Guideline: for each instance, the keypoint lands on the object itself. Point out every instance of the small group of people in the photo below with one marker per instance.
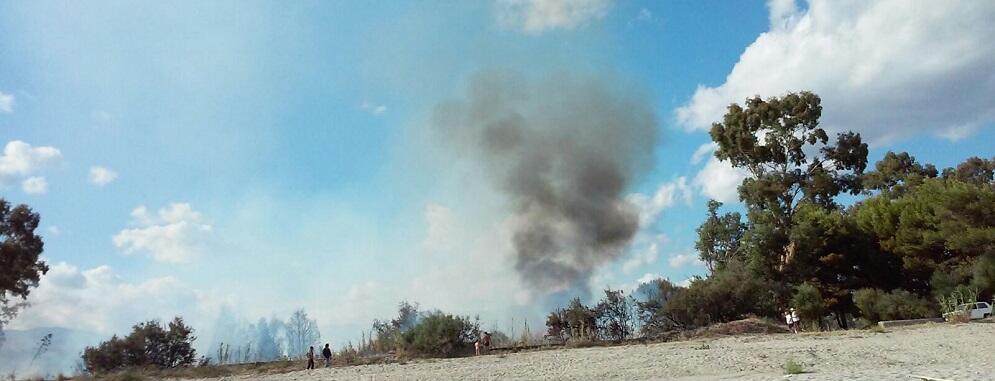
(791, 318)
(326, 353)
(484, 341)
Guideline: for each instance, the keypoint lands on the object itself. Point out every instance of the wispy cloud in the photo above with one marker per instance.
(101, 176)
(6, 103)
(372, 108)
(536, 16)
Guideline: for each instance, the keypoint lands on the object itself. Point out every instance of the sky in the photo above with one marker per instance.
(259, 157)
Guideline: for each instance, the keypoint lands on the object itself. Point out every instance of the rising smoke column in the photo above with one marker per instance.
(562, 151)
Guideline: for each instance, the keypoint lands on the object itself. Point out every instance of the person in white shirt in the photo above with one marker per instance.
(795, 321)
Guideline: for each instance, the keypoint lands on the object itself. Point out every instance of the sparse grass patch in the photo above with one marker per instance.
(876, 328)
(792, 367)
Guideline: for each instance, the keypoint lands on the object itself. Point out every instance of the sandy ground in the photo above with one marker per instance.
(952, 352)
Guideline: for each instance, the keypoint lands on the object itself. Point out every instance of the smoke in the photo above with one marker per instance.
(563, 152)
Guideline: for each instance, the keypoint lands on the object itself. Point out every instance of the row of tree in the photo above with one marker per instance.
(906, 236)
(265, 340)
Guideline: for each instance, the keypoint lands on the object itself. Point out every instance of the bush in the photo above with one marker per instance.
(809, 303)
(877, 305)
(441, 335)
(792, 367)
(732, 293)
(149, 344)
(615, 315)
(984, 274)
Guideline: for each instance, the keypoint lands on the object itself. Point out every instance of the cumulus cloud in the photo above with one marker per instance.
(666, 196)
(20, 159)
(887, 69)
(719, 180)
(34, 185)
(684, 260)
(100, 300)
(6, 103)
(101, 176)
(536, 16)
(175, 234)
(371, 108)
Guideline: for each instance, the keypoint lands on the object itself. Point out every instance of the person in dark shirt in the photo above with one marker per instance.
(310, 358)
(327, 354)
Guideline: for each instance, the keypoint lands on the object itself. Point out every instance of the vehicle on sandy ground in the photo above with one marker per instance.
(979, 310)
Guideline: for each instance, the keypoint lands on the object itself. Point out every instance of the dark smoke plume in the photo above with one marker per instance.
(563, 152)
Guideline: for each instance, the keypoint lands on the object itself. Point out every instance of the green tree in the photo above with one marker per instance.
(719, 236)
(809, 303)
(149, 344)
(896, 173)
(974, 170)
(20, 266)
(790, 160)
(615, 315)
(651, 300)
(442, 335)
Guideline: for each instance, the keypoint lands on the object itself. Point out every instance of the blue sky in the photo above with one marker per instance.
(265, 156)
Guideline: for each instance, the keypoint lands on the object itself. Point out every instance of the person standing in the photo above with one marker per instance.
(327, 354)
(795, 320)
(790, 321)
(310, 358)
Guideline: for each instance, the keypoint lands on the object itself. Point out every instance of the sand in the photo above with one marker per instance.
(953, 352)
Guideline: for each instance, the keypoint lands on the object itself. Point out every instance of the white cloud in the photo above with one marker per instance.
(719, 181)
(684, 260)
(99, 300)
(646, 256)
(6, 103)
(666, 196)
(439, 227)
(887, 69)
(54, 230)
(34, 185)
(536, 16)
(644, 15)
(20, 159)
(371, 108)
(175, 235)
(703, 151)
(101, 176)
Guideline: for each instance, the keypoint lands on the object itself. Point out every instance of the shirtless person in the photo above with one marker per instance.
(484, 341)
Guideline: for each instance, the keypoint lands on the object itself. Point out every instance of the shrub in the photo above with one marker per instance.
(792, 367)
(439, 334)
(809, 303)
(653, 297)
(149, 344)
(732, 293)
(877, 305)
(615, 315)
(984, 274)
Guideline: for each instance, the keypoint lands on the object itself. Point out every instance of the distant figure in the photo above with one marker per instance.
(790, 321)
(484, 341)
(795, 320)
(310, 358)
(327, 353)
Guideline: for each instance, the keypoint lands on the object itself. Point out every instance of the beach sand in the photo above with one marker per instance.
(952, 352)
